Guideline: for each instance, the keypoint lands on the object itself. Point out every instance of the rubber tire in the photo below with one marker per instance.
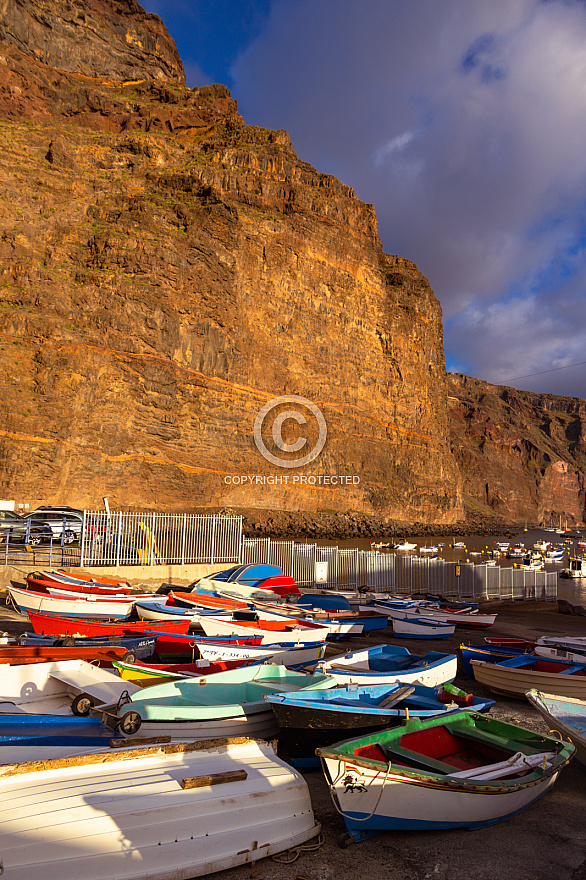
(81, 705)
(129, 723)
(34, 540)
(69, 537)
(68, 642)
(129, 657)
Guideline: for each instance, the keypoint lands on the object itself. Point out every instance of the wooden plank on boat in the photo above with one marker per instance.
(127, 754)
(139, 741)
(343, 668)
(214, 779)
(399, 695)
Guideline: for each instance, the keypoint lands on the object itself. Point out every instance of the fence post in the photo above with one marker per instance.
(82, 539)
(153, 544)
(119, 539)
(213, 555)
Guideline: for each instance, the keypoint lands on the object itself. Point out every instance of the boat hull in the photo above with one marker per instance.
(565, 714)
(385, 664)
(95, 607)
(283, 655)
(466, 771)
(128, 815)
(309, 721)
(46, 624)
(405, 806)
(515, 682)
(294, 633)
(420, 628)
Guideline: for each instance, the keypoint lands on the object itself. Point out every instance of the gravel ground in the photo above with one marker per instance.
(546, 842)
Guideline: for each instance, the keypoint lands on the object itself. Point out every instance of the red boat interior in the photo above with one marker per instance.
(437, 749)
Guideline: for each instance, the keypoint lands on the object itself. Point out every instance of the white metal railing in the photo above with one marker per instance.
(119, 538)
(360, 569)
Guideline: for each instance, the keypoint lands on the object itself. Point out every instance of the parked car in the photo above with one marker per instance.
(14, 527)
(66, 521)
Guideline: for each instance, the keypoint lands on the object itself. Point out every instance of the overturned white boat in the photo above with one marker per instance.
(167, 812)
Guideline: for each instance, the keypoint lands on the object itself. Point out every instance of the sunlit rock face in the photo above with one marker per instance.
(168, 270)
(522, 455)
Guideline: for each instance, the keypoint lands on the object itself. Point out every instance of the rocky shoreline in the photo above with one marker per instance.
(289, 524)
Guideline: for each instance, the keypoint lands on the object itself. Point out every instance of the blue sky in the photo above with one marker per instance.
(464, 123)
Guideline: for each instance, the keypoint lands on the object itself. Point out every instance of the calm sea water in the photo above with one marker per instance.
(477, 547)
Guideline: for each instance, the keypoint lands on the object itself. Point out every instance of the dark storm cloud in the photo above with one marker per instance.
(465, 125)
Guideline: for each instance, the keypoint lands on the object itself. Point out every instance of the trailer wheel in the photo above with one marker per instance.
(129, 723)
(129, 657)
(82, 704)
(68, 642)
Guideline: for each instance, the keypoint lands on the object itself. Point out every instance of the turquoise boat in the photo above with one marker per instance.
(227, 703)
(566, 715)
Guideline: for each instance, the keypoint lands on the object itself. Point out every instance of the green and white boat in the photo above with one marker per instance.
(466, 771)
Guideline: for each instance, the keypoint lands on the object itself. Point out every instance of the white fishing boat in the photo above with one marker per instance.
(161, 611)
(384, 664)
(167, 812)
(576, 568)
(422, 628)
(93, 606)
(59, 687)
(283, 655)
(560, 652)
(291, 632)
(467, 771)
(405, 545)
(458, 616)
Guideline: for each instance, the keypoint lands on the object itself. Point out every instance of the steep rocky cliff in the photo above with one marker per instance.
(522, 455)
(167, 270)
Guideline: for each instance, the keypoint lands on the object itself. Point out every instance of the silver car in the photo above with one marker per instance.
(61, 521)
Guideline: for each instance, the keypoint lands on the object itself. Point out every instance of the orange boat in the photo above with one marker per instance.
(104, 654)
(64, 577)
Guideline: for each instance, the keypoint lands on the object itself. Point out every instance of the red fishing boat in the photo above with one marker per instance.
(43, 585)
(48, 624)
(61, 577)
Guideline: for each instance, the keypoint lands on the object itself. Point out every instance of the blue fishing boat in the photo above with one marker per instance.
(487, 653)
(309, 719)
(52, 730)
(141, 647)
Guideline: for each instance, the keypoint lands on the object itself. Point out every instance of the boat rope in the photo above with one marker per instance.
(291, 855)
(333, 792)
